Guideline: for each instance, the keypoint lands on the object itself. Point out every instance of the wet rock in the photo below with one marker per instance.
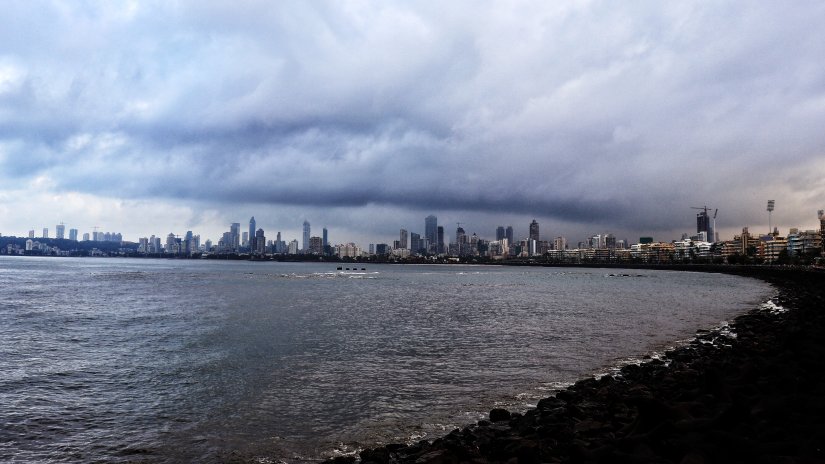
(499, 415)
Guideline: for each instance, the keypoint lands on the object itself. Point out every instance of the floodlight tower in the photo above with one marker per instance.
(770, 210)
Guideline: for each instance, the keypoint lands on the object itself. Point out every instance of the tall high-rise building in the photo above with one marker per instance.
(31, 233)
(45, 232)
(439, 239)
(60, 231)
(431, 233)
(610, 241)
(188, 245)
(316, 245)
(251, 231)
(245, 239)
(560, 243)
(534, 231)
(508, 234)
(73, 234)
(235, 232)
(402, 241)
(704, 224)
(305, 245)
(259, 241)
(415, 243)
(500, 233)
(325, 237)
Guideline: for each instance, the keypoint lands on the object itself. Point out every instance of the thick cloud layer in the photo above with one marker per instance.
(587, 116)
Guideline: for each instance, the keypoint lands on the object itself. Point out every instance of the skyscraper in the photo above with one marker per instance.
(439, 239)
(305, 245)
(500, 233)
(508, 234)
(534, 231)
(73, 234)
(704, 224)
(251, 233)
(259, 242)
(235, 236)
(415, 243)
(403, 239)
(60, 231)
(325, 238)
(431, 233)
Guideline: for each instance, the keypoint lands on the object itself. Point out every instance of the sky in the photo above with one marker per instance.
(364, 117)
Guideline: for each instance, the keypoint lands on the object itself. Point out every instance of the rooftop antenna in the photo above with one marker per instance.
(771, 204)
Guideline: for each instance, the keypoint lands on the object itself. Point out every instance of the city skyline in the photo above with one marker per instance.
(152, 117)
(430, 222)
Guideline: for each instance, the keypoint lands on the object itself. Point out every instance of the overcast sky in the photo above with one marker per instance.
(364, 117)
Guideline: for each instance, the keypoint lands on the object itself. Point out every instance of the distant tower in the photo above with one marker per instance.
(45, 232)
(260, 242)
(431, 233)
(305, 246)
(703, 224)
(460, 240)
(60, 231)
(403, 239)
(771, 204)
(509, 234)
(534, 231)
(439, 239)
(235, 235)
(821, 215)
(73, 234)
(325, 237)
(252, 232)
(500, 233)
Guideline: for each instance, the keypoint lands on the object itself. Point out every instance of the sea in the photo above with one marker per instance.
(151, 360)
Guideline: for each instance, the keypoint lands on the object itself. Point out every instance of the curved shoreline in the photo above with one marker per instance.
(754, 395)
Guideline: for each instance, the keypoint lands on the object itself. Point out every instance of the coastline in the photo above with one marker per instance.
(753, 394)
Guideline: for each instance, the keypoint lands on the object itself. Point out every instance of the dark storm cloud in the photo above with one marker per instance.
(585, 114)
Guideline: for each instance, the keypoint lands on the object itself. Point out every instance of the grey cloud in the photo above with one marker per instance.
(587, 115)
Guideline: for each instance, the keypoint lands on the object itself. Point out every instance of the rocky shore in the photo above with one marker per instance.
(754, 394)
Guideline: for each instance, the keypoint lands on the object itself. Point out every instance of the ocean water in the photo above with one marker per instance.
(129, 360)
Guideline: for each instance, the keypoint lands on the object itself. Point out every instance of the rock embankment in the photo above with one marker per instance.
(756, 395)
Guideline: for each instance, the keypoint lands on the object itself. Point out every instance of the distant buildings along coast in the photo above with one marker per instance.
(795, 246)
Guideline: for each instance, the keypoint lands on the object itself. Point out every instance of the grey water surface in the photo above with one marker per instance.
(130, 360)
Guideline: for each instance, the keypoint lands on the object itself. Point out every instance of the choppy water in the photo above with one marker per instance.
(117, 360)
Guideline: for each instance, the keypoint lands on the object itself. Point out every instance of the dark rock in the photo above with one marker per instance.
(499, 415)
